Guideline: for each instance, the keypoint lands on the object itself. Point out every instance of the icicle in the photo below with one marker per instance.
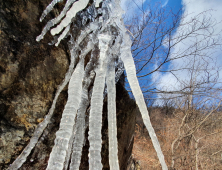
(64, 33)
(116, 52)
(80, 133)
(58, 153)
(95, 118)
(49, 8)
(76, 7)
(93, 27)
(80, 125)
(112, 129)
(87, 80)
(129, 65)
(91, 62)
(54, 21)
(120, 70)
(40, 128)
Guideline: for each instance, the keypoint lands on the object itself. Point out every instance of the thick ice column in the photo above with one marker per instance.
(77, 138)
(40, 128)
(59, 151)
(129, 65)
(112, 129)
(80, 132)
(80, 122)
(80, 125)
(95, 118)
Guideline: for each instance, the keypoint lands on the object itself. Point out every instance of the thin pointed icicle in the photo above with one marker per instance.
(95, 118)
(58, 153)
(64, 33)
(54, 21)
(49, 8)
(76, 7)
(129, 65)
(40, 128)
(112, 129)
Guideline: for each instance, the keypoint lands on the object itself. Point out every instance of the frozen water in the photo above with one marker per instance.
(65, 131)
(95, 118)
(54, 21)
(112, 129)
(107, 27)
(76, 7)
(64, 33)
(49, 8)
(80, 124)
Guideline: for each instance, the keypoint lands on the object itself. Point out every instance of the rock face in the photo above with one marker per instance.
(29, 75)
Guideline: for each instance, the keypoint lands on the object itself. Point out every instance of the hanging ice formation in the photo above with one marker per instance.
(103, 31)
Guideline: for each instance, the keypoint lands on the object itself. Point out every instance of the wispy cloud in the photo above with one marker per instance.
(169, 81)
(132, 7)
(165, 3)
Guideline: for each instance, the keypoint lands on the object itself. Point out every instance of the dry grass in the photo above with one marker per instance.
(144, 152)
(166, 128)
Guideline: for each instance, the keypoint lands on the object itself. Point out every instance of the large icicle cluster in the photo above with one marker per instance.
(104, 39)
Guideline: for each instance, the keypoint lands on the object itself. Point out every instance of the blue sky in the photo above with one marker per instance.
(167, 81)
(132, 6)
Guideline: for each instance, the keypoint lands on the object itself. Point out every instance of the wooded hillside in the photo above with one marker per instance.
(188, 143)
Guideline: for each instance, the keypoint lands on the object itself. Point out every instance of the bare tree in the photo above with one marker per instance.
(154, 48)
(197, 98)
(196, 111)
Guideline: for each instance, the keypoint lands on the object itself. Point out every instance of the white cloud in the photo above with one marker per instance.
(191, 8)
(165, 3)
(132, 7)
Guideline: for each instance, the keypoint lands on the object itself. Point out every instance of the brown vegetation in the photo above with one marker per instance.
(188, 142)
